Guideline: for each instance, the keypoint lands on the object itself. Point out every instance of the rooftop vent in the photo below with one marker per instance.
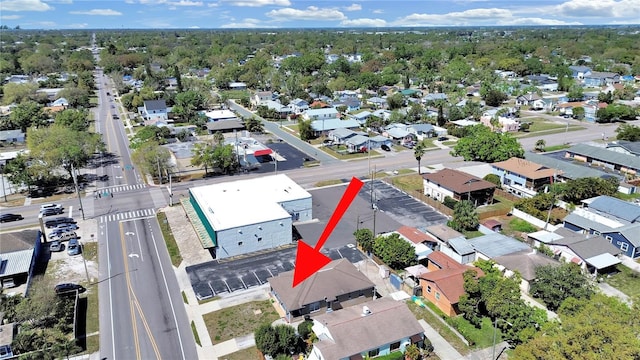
(366, 311)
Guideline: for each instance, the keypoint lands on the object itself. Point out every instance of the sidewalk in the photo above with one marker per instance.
(441, 347)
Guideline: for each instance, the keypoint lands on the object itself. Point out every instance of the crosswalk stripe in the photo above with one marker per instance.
(127, 215)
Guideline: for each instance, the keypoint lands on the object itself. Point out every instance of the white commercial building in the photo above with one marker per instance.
(245, 216)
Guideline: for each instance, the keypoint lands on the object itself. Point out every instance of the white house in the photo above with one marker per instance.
(320, 114)
(260, 98)
(244, 216)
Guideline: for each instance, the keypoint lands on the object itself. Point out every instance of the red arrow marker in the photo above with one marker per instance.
(309, 260)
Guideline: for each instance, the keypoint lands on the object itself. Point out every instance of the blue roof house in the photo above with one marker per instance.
(578, 72)
(323, 126)
(626, 238)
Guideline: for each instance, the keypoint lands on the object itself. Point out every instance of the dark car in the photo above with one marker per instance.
(385, 147)
(10, 217)
(57, 221)
(51, 211)
(68, 288)
(443, 138)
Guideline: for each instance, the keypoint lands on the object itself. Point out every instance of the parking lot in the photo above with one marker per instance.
(401, 207)
(289, 158)
(215, 278)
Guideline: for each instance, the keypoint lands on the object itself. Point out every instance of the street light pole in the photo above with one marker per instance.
(75, 182)
(495, 330)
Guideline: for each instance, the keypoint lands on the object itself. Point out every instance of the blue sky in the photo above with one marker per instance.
(229, 14)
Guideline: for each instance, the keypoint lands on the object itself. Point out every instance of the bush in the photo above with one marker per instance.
(522, 226)
(449, 202)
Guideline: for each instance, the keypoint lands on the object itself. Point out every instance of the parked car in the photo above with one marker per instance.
(68, 288)
(51, 212)
(56, 246)
(385, 147)
(65, 227)
(59, 220)
(10, 217)
(443, 138)
(64, 236)
(50, 206)
(73, 248)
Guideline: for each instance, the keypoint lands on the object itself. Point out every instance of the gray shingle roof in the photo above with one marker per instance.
(525, 262)
(461, 246)
(631, 146)
(585, 223)
(494, 245)
(352, 333)
(603, 154)
(342, 133)
(619, 208)
(593, 247)
(155, 105)
(631, 233)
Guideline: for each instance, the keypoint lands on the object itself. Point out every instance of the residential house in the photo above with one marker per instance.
(499, 123)
(220, 115)
(458, 186)
(377, 141)
(460, 250)
(7, 334)
(154, 109)
(374, 329)
(260, 98)
(298, 106)
(398, 135)
(493, 245)
(341, 135)
(626, 238)
(18, 255)
(323, 126)
(543, 104)
(17, 79)
(597, 79)
(443, 233)
(351, 103)
(523, 177)
(591, 252)
(337, 285)
(465, 123)
(61, 102)
(612, 160)
(358, 143)
(411, 93)
(578, 72)
(444, 283)
(419, 240)
(527, 99)
(429, 98)
(8, 137)
(362, 116)
(282, 111)
(377, 102)
(525, 264)
(321, 114)
(566, 169)
(237, 86)
(225, 126)
(421, 131)
(625, 147)
(382, 114)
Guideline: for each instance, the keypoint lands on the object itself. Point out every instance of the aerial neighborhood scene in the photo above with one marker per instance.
(282, 179)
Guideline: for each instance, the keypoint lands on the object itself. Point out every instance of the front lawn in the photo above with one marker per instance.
(480, 338)
(339, 152)
(239, 320)
(409, 183)
(626, 280)
(251, 353)
(442, 329)
(556, 147)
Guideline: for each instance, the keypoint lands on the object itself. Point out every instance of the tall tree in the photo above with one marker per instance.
(27, 114)
(554, 284)
(482, 144)
(418, 153)
(152, 158)
(305, 130)
(202, 156)
(394, 251)
(465, 216)
(628, 132)
(364, 238)
(74, 119)
(266, 340)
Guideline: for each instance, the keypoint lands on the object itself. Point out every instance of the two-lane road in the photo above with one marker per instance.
(142, 315)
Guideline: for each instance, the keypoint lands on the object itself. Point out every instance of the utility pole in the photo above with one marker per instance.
(3, 189)
(170, 190)
(159, 173)
(75, 182)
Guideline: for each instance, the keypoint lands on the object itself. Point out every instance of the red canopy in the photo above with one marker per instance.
(262, 152)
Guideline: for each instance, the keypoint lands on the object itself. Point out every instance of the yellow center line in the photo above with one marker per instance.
(146, 326)
(134, 322)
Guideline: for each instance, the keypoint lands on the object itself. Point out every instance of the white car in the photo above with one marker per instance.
(45, 207)
(65, 227)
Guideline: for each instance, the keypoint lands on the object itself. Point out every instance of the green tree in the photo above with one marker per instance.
(554, 284)
(599, 327)
(19, 173)
(482, 144)
(225, 159)
(305, 130)
(150, 134)
(364, 238)
(412, 352)
(418, 153)
(267, 340)
(254, 125)
(494, 179)
(152, 158)
(187, 104)
(494, 97)
(304, 329)
(628, 132)
(540, 145)
(27, 114)
(394, 251)
(465, 216)
(287, 339)
(395, 101)
(615, 112)
(202, 156)
(579, 189)
(605, 97)
(578, 113)
(575, 93)
(16, 93)
(76, 96)
(218, 138)
(74, 119)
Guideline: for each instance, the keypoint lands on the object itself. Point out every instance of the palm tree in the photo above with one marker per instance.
(218, 138)
(418, 152)
(202, 156)
(540, 145)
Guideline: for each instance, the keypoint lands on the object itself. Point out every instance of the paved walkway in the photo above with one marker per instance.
(630, 263)
(441, 347)
(487, 353)
(613, 292)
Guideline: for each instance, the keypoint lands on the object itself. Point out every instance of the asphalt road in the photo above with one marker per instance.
(141, 310)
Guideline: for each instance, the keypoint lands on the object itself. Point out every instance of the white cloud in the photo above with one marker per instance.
(364, 23)
(378, 11)
(99, 12)
(258, 3)
(212, 5)
(185, 3)
(194, 27)
(77, 26)
(310, 13)
(462, 18)
(60, 1)
(24, 5)
(10, 17)
(247, 23)
(600, 8)
(536, 21)
(353, 7)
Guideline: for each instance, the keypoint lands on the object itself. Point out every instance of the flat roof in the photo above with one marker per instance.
(220, 114)
(243, 202)
(603, 261)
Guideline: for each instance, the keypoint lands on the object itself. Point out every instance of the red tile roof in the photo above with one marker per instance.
(443, 261)
(450, 281)
(414, 235)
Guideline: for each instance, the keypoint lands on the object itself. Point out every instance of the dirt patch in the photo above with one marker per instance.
(65, 268)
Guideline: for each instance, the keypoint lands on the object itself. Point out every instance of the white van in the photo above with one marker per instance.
(50, 206)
